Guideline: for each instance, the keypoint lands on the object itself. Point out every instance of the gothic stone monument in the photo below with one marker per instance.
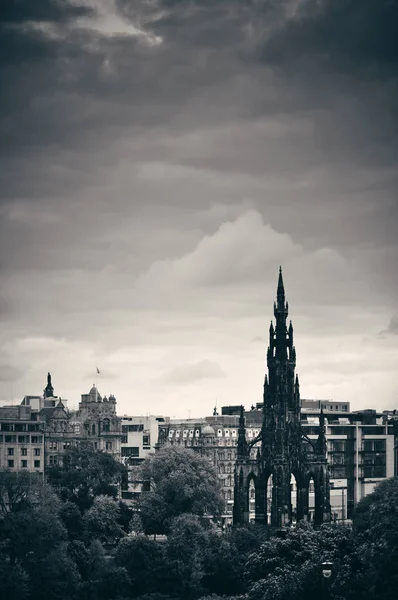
(284, 450)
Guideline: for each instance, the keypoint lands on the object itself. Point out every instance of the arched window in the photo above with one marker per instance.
(106, 425)
(222, 469)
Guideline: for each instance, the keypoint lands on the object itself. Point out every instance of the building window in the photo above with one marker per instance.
(37, 439)
(37, 464)
(10, 464)
(108, 446)
(146, 439)
(24, 464)
(23, 439)
(93, 429)
(10, 439)
(37, 451)
(53, 459)
(130, 451)
(10, 452)
(106, 426)
(24, 452)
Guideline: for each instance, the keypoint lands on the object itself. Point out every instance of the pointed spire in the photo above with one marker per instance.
(296, 383)
(321, 441)
(280, 294)
(242, 443)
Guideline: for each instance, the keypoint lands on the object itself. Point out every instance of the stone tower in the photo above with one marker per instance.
(48, 391)
(284, 450)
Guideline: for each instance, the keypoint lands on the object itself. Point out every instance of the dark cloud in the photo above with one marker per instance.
(160, 159)
(339, 35)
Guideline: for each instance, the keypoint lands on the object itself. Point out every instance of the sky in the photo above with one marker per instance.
(159, 159)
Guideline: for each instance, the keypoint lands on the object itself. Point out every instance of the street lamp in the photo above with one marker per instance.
(327, 569)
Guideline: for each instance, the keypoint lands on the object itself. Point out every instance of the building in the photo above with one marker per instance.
(96, 421)
(360, 450)
(36, 433)
(139, 438)
(21, 439)
(216, 438)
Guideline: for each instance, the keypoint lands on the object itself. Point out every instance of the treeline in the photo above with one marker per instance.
(71, 538)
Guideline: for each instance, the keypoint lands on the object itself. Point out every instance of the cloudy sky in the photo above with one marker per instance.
(159, 160)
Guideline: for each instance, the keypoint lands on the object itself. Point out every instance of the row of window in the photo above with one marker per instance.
(127, 428)
(19, 427)
(21, 439)
(24, 464)
(24, 451)
(130, 451)
(224, 468)
(367, 446)
(190, 433)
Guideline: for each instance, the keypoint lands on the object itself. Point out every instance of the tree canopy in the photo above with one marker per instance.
(376, 523)
(179, 481)
(84, 474)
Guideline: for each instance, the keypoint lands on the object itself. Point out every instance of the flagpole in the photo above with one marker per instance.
(97, 372)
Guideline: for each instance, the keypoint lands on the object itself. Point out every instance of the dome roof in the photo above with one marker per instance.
(208, 430)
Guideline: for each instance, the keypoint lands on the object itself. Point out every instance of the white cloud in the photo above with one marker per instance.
(191, 373)
(108, 21)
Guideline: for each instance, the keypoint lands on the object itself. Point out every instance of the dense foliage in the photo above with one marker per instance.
(180, 481)
(82, 543)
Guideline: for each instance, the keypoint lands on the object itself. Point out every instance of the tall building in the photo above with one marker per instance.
(139, 439)
(21, 439)
(360, 450)
(285, 452)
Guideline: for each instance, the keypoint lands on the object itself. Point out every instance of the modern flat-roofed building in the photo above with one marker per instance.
(360, 450)
(139, 438)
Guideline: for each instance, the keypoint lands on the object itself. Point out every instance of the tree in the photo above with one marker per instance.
(33, 531)
(375, 521)
(180, 481)
(18, 490)
(101, 521)
(72, 520)
(144, 561)
(14, 581)
(224, 565)
(186, 548)
(84, 474)
(289, 568)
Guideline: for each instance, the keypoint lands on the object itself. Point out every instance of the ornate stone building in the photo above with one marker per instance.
(56, 428)
(284, 453)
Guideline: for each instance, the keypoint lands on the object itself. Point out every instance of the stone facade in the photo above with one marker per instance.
(36, 433)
